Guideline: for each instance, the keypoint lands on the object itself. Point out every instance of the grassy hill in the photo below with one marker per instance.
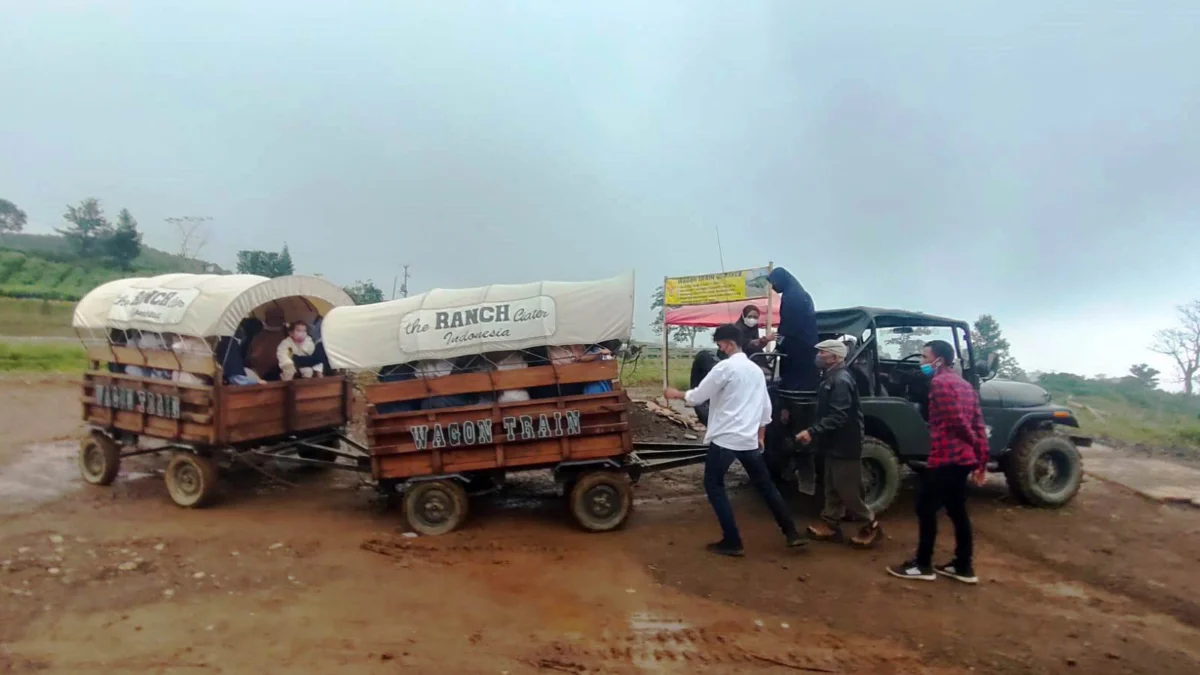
(42, 267)
(1123, 411)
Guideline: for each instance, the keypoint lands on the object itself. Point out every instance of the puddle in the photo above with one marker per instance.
(42, 473)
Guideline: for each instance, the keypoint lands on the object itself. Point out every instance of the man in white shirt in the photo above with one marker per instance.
(739, 411)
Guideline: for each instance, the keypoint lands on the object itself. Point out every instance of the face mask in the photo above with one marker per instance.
(750, 321)
(927, 369)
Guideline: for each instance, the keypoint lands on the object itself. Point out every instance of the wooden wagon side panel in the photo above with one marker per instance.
(163, 409)
(473, 383)
(319, 403)
(501, 436)
(253, 411)
(199, 364)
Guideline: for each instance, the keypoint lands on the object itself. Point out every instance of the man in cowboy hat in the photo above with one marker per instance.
(838, 434)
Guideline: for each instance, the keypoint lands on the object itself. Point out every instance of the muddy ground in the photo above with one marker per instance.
(317, 577)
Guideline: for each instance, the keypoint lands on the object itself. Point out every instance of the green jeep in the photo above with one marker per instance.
(1025, 430)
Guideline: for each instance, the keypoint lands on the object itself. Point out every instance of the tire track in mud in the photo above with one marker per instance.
(404, 549)
(678, 649)
(1118, 579)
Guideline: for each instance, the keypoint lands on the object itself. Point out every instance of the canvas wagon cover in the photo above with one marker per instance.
(445, 324)
(201, 305)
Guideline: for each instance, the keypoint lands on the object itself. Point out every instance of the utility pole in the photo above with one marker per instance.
(404, 286)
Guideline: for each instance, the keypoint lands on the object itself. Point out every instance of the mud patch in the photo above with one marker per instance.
(41, 473)
(1065, 590)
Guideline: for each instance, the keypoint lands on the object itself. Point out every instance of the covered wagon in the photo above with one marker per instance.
(160, 379)
(475, 383)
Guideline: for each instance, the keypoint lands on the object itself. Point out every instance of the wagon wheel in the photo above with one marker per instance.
(99, 459)
(191, 479)
(435, 507)
(601, 500)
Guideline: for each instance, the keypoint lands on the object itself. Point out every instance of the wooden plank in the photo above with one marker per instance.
(323, 387)
(401, 436)
(185, 415)
(586, 405)
(380, 429)
(161, 427)
(198, 364)
(272, 394)
(198, 433)
(124, 380)
(218, 425)
(254, 431)
(318, 406)
(533, 455)
(240, 417)
(328, 418)
(474, 383)
(401, 466)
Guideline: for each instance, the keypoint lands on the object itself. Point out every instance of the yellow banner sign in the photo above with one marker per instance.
(724, 287)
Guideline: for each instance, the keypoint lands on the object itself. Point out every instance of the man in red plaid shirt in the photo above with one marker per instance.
(958, 452)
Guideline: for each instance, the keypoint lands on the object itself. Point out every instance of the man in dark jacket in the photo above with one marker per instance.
(796, 334)
(838, 434)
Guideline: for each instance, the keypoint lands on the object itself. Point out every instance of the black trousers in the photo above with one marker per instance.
(944, 487)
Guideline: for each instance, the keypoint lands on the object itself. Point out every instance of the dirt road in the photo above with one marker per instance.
(318, 578)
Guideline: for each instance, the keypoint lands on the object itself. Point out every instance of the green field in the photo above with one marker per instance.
(648, 372)
(1127, 413)
(42, 267)
(42, 357)
(35, 318)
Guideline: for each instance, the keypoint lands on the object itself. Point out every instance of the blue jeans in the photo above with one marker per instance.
(716, 465)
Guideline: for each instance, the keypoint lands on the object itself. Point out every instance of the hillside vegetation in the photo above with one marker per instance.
(43, 267)
(1126, 411)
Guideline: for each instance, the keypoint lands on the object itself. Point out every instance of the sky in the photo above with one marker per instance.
(1036, 161)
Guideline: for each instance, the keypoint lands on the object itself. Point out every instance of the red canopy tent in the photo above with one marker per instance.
(711, 316)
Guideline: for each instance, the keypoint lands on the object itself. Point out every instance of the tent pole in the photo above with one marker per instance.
(666, 338)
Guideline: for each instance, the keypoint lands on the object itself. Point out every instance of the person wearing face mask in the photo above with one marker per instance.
(958, 453)
(797, 333)
(748, 324)
(740, 411)
(838, 434)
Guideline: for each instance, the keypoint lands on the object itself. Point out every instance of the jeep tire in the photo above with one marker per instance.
(880, 475)
(1043, 469)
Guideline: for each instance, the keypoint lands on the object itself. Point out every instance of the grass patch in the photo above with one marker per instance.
(36, 318)
(1123, 411)
(42, 357)
(648, 372)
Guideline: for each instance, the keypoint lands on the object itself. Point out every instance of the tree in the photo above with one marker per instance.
(1182, 344)
(124, 244)
(89, 226)
(989, 340)
(678, 334)
(192, 234)
(265, 263)
(1144, 375)
(365, 292)
(12, 219)
(909, 343)
(285, 261)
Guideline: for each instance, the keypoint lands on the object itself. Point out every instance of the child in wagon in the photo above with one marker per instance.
(297, 343)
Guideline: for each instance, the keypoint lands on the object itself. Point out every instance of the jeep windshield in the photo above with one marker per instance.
(897, 344)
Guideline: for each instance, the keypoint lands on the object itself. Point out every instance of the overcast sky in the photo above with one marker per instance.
(1039, 161)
